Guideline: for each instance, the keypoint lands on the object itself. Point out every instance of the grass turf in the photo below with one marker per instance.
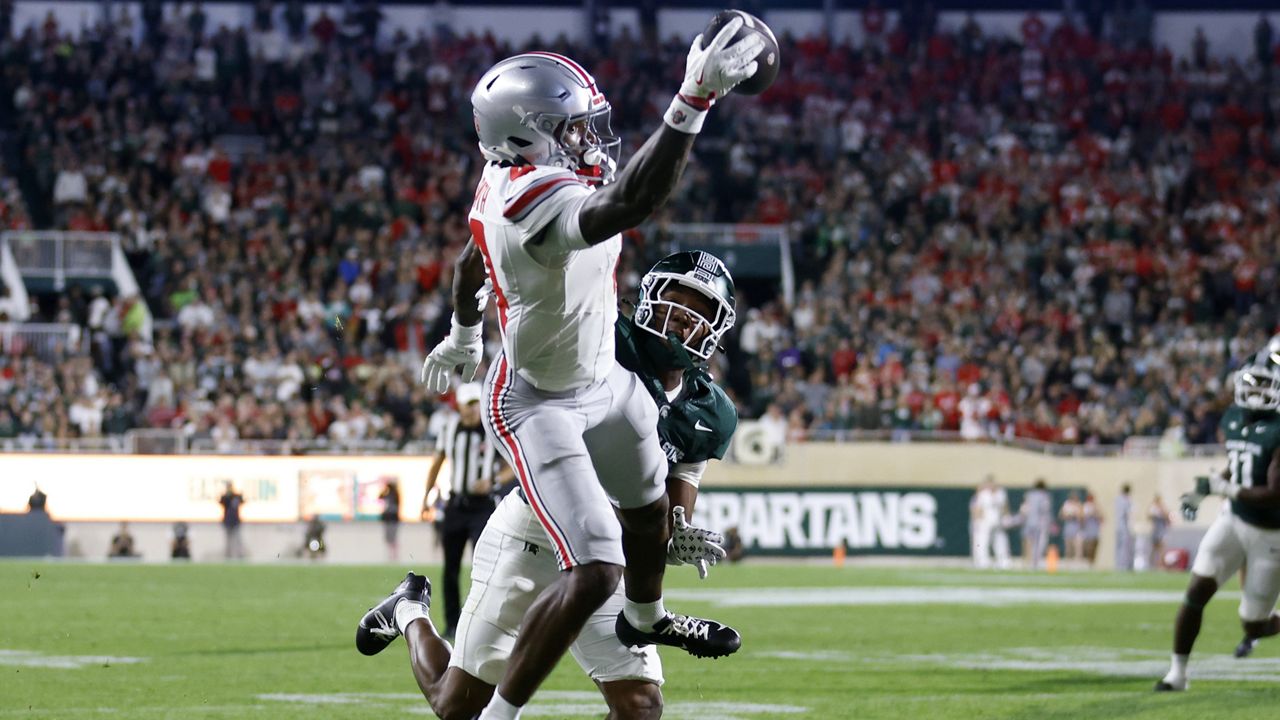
(276, 642)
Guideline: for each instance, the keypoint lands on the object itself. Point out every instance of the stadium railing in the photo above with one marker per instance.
(175, 442)
(49, 341)
(1133, 447)
(205, 446)
(109, 444)
(56, 256)
(48, 259)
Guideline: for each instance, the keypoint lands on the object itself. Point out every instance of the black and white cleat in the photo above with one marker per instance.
(698, 637)
(378, 626)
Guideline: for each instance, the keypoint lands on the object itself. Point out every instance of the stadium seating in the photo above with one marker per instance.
(1060, 239)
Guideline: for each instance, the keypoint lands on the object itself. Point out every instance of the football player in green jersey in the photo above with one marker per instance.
(1248, 529)
(686, 306)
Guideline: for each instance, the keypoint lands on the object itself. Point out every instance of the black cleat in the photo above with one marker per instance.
(698, 637)
(1246, 646)
(378, 626)
(1165, 686)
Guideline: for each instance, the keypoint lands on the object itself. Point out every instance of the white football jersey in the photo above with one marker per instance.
(991, 504)
(557, 297)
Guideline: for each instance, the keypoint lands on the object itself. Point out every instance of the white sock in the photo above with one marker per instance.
(1177, 669)
(499, 709)
(643, 616)
(406, 612)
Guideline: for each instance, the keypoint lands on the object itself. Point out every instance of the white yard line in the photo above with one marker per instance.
(942, 595)
(551, 703)
(1113, 662)
(36, 659)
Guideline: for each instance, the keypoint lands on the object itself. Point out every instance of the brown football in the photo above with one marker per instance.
(768, 59)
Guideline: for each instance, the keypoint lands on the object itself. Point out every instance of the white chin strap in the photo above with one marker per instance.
(593, 157)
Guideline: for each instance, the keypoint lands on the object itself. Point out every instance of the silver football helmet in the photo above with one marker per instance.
(1257, 384)
(541, 108)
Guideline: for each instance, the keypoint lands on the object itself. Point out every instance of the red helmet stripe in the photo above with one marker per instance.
(586, 77)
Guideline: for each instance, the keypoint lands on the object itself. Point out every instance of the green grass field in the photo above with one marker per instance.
(208, 641)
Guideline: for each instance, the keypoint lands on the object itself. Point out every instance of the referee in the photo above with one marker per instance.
(473, 478)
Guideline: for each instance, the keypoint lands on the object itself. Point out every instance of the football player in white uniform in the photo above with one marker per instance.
(690, 295)
(579, 429)
(1248, 529)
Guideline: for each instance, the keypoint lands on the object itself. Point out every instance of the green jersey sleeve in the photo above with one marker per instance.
(699, 425)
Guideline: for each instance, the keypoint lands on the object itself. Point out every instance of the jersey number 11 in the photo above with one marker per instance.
(1240, 463)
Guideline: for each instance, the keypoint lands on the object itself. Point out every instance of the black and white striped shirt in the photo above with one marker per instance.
(471, 456)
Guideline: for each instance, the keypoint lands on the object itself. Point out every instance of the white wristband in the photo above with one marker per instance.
(684, 117)
(463, 335)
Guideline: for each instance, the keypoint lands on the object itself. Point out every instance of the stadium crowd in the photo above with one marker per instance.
(1068, 236)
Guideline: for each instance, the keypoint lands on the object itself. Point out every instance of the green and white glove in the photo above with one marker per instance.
(1190, 505)
(692, 545)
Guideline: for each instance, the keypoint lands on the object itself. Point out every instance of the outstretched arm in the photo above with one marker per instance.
(647, 181)
(642, 187)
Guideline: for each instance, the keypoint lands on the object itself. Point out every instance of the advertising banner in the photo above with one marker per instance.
(875, 520)
(170, 488)
(867, 520)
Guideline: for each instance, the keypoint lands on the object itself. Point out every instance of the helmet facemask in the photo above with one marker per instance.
(662, 315)
(1258, 388)
(583, 143)
(591, 141)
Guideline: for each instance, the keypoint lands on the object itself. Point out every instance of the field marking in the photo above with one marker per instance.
(132, 712)
(550, 703)
(34, 658)
(1020, 577)
(1112, 662)
(1119, 662)
(832, 656)
(333, 698)
(980, 596)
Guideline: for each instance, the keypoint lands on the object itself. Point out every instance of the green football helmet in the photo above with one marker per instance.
(698, 271)
(1258, 382)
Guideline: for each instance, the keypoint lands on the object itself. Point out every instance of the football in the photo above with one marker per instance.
(768, 58)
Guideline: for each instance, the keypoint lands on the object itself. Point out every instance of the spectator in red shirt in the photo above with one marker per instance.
(844, 359)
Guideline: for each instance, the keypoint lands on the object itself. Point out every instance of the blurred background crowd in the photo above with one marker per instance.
(1067, 236)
